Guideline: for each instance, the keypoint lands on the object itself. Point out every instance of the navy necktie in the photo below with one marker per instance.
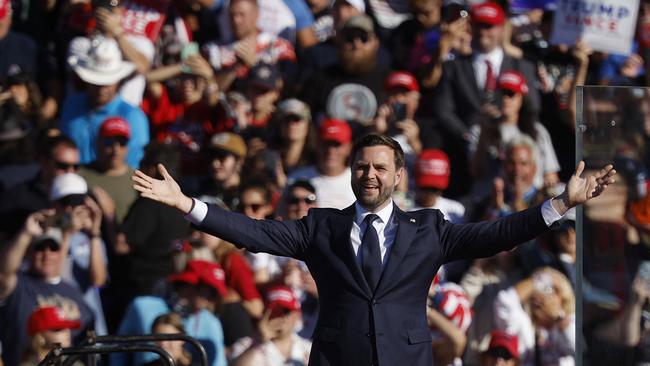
(371, 253)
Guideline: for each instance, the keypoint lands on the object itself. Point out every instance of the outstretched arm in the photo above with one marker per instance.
(488, 238)
(286, 238)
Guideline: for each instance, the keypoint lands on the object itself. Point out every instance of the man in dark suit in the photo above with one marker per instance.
(373, 263)
(469, 82)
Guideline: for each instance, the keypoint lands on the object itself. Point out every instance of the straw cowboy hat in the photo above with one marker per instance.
(102, 63)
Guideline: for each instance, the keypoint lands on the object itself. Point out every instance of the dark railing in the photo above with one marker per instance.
(97, 345)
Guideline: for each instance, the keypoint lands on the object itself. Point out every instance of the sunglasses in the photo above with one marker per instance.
(500, 352)
(52, 245)
(218, 154)
(110, 141)
(295, 200)
(351, 37)
(292, 118)
(253, 206)
(508, 93)
(61, 165)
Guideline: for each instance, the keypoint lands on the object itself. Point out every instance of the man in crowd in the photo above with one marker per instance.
(110, 171)
(226, 154)
(102, 70)
(21, 293)
(59, 155)
(300, 197)
(469, 82)
(251, 46)
(331, 173)
(372, 307)
(347, 88)
(431, 180)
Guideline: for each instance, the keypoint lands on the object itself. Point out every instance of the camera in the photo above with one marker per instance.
(60, 220)
(398, 113)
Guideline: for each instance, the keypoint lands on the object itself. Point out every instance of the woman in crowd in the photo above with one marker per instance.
(171, 323)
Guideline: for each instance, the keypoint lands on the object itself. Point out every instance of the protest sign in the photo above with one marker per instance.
(144, 17)
(606, 25)
(520, 6)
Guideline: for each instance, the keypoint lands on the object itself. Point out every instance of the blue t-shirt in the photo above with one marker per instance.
(31, 293)
(81, 124)
(300, 10)
(202, 325)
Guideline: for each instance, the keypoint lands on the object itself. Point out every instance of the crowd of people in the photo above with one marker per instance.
(253, 105)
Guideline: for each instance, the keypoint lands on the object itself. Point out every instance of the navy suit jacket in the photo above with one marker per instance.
(355, 325)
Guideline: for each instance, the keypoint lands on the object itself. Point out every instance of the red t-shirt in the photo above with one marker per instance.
(239, 277)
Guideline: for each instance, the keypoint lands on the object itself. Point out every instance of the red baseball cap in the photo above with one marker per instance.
(49, 318)
(5, 8)
(488, 13)
(402, 79)
(201, 271)
(513, 81)
(510, 342)
(114, 126)
(335, 130)
(279, 299)
(432, 169)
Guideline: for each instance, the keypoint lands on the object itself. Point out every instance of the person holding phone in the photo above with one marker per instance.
(396, 116)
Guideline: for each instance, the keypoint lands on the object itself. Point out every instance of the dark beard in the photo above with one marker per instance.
(359, 66)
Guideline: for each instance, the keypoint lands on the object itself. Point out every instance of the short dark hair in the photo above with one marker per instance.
(48, 145)
(304, 184)
(374, 139)
(160, 153)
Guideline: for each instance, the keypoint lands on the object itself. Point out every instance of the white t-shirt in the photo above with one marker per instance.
(453, 211)
(334, 192)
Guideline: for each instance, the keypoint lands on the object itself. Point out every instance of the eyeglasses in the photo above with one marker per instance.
(293, 200)
(110, 141)
(61, 165)
(253, 206)
(351, 37)
(500, 352)
(50, 244)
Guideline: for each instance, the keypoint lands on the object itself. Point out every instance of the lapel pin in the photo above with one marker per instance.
(412, 220)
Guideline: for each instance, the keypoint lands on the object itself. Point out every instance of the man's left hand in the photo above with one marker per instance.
(581, 189)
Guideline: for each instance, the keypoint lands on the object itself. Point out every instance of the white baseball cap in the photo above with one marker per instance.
(66, 185)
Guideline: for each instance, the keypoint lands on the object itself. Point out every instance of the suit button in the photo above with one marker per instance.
(374, 303)
(368, 334)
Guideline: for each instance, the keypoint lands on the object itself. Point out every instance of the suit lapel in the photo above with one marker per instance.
(470, 76)
(340, 227)
(406, 229)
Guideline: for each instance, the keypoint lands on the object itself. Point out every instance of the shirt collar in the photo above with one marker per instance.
(384, 214)
(495, 56)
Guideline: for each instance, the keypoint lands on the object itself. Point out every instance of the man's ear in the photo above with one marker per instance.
(399, 175)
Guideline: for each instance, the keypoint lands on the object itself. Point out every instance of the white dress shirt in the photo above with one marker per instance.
(480, 68)
(385, 226)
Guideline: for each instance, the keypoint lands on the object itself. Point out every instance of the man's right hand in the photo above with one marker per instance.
(164, 191)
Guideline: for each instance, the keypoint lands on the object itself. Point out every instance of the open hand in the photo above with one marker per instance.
(581, 189)
(165, 191)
